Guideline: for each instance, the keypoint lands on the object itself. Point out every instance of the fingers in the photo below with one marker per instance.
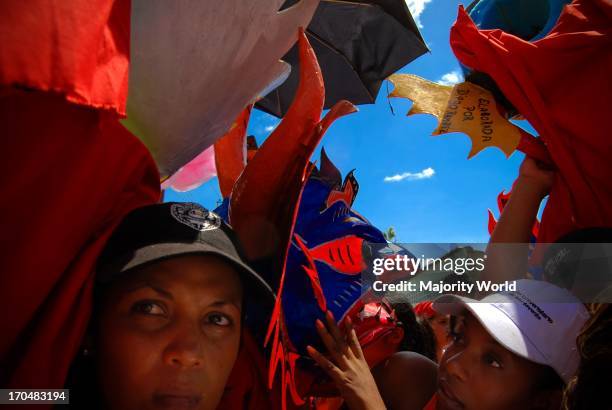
(337, 343)
(330, 368)
(333, 328)
(341, 339)
(328, 340)
(352, 339)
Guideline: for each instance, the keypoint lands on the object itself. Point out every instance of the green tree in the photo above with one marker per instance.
(390, 235)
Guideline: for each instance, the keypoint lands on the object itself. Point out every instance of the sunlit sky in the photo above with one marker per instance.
(421, 185)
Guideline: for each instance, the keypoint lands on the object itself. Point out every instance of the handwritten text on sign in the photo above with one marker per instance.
(464, 107)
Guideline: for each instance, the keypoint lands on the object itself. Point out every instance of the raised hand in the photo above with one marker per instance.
(346, 365)
(536, 175)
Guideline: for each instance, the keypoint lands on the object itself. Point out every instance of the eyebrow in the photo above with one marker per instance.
(168, 295)
(499, 348)
(221, 303)
(492, 343)
(157, 289)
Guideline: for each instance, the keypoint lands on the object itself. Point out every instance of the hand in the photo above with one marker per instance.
(347, 367)
(536, 176)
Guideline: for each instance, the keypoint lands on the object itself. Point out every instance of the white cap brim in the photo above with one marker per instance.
(499, 325)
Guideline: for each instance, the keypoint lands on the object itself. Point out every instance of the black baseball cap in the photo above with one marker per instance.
(156, 232)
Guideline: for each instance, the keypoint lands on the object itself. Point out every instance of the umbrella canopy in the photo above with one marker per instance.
(358, 44)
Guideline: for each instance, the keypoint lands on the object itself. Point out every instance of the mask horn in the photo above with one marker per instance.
(264, 199)
(328, 171)
(230, 153)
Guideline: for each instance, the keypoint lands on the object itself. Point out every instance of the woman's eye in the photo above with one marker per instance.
(455, 328)
(148, 308)
(457, 337)
(492, 361)
(454, 335)
(218, 319)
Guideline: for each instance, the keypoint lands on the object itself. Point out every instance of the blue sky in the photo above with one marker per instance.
(448, 204)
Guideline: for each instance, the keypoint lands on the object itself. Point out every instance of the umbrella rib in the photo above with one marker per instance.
(335, 50)
(411, 25)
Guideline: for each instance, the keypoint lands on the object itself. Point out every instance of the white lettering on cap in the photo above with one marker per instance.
(195, 216)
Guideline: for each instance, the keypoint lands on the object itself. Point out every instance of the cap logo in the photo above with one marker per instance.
(195, 216)
(531, 306)
(552, 265)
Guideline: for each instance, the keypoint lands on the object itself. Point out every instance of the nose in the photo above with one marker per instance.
(185, 347)
(456, 364)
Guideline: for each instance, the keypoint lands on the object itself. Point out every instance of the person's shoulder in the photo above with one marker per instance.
(406, 380)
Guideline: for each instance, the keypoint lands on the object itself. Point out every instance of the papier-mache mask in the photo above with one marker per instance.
(297, 226)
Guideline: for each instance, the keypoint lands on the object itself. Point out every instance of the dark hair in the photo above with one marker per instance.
(82, 381)
(549, 380)
(589, 389)
(418, 335)
(486, 81)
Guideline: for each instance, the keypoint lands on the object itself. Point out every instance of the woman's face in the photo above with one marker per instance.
(169, 334)
(477, 373)
(439, 325)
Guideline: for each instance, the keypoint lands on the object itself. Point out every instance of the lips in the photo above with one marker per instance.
(447, 397)
(177, 400)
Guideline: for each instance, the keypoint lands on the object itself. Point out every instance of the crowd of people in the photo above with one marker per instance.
(172, 298)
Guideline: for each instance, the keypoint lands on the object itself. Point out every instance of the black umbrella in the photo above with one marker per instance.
(358, 43)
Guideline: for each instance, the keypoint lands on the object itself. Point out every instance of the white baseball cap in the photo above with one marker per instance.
(538, 321)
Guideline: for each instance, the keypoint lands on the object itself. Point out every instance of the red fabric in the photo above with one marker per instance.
(78, 48)
(328, 403)
(425, 309)
(561, 85)
(68, 175)
(246, 388)
(432, 403)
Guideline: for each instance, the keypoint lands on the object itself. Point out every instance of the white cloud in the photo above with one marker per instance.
(416, 7)
(261, 124)
(451, 78)
(424, 174)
